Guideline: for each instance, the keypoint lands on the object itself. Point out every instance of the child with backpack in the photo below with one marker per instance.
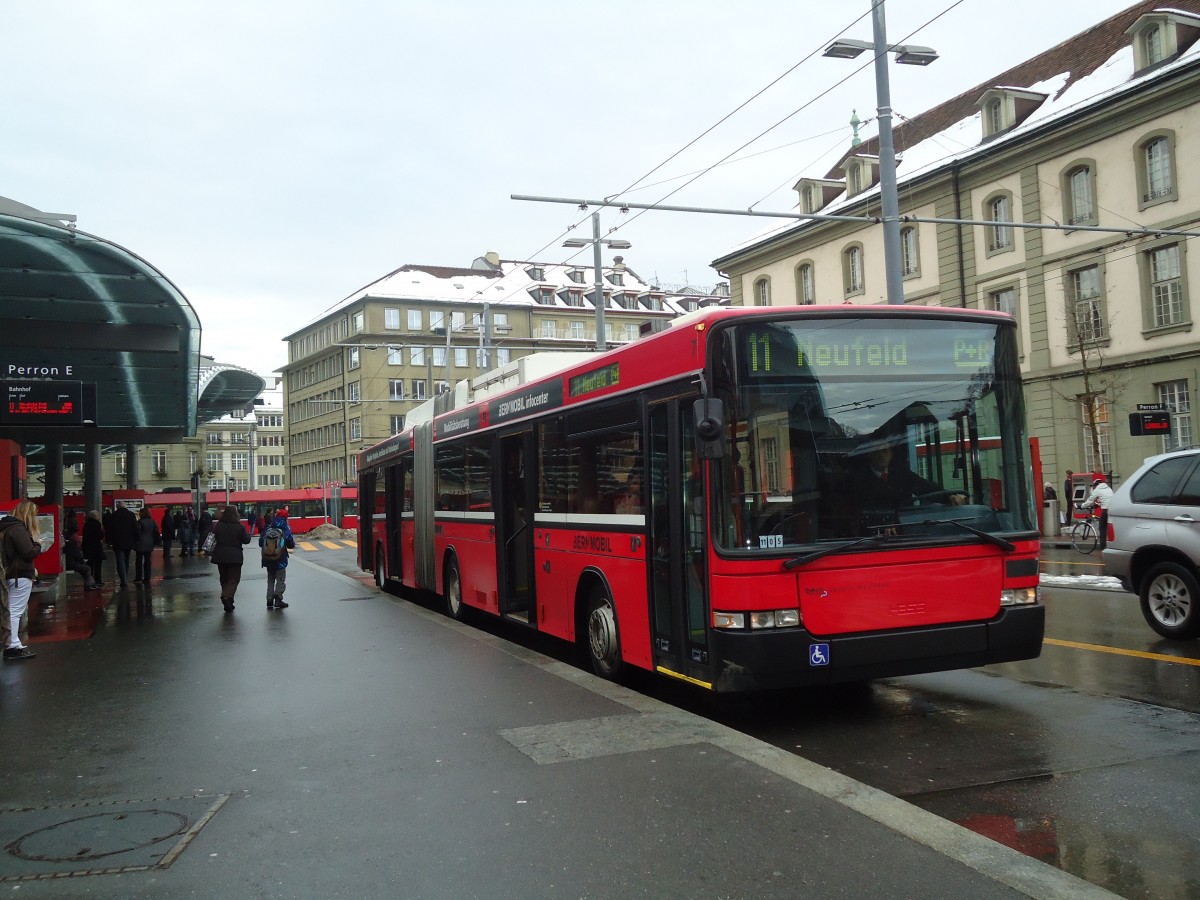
(275, 541)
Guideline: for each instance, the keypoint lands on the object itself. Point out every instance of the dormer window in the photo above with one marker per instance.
(616, 278)
(543, 296)
(1162, 35)
(816, 193)
(536, 273)
(1003, 108)
(576, 275)
(860, 173)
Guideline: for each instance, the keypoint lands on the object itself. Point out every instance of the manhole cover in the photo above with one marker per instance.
(100, 838)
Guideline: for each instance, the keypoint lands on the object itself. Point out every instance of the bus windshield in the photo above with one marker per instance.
(845, 428)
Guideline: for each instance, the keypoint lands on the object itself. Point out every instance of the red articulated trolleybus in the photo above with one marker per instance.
(704, 502)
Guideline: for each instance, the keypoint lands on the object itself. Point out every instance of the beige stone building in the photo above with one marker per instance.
(354, 373)
(1095, 133)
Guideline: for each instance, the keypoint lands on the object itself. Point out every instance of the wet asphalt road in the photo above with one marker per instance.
(1085, 758)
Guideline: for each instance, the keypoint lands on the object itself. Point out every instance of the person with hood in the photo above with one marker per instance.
(93, 546)
(147, 537)
(122, 535)
(227, 553)
(19, 546)
(203, 526)
(276, 539)
(1100, 496)
(168, 533)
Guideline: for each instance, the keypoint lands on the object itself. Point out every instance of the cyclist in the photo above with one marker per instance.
(1100, 496)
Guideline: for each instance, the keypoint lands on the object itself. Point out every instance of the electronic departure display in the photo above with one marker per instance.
(595, 380)
(41, 403)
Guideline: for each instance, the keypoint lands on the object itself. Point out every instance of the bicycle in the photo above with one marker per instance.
(1085, 535)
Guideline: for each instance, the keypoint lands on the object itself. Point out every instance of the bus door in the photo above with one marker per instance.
(675, 534)
(513, 486)
(399, 486)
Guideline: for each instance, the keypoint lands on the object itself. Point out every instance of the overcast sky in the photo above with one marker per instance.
(272, 157)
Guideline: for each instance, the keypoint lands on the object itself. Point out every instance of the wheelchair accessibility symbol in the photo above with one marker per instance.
(818, 654)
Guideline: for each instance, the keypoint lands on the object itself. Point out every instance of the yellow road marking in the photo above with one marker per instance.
(329, 545)
(1117, 651)
(306, 545)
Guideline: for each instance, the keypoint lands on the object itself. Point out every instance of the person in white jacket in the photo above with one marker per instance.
(1100, 496)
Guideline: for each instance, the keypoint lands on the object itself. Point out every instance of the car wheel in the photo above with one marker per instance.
(603, 637)
(455, 608)
(1171, 601)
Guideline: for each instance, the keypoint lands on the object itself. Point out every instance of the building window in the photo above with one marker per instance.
(395, 356)
(214, 462)
(1166, 286)
(576, 275)
(577, 331)
(357, 322)
(439, 356)
(239, 462)
(549, 329)
(481, 358)
(852, 270)
(416, 321)
(416, 356)
(437, 320)
(855, 179)
(993, 117)
(119, 464)
(214, 437)
(397, 424)
(354, 392)
(503, 357)
(762, 292)
(1099, 416)
(158, 462)
(1004, 300)
(1156, 169)
(418, 388)
(1079, 195)
(1087, 321)
(391, 318)
(1177, 399)
(806, 290)
(355, 429)
(500, 321)
(910, 254)
(458, 321)
(352, 358)
(536, 273)
(77, 468)
(999, 237)
(1152, 46)
(545, 296)
(395, 388)
(461, 360)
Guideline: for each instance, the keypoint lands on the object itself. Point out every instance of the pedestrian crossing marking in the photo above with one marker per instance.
(313, 546)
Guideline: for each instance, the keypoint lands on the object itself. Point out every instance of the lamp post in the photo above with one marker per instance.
(909, 55)
(596, 241)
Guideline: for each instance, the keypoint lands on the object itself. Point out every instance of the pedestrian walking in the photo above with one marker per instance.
(251, 520)
(227, 553)
(93, 546)
(185, 528)
(19, 547)
(167, 530)
(1068, 494)
(276, 539)
(122, 537)
(147, 537)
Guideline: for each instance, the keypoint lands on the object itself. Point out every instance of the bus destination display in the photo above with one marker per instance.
(595, 380)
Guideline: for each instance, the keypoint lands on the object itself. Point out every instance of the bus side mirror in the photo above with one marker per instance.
(709, 417)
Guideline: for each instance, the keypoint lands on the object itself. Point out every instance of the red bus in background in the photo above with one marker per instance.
(691, 504)
(307, 507)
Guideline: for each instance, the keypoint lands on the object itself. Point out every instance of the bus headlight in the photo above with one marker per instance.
(774, 618)
(1019, 596)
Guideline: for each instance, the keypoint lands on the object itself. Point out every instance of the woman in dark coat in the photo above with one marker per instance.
(227, 554)
(93, 545)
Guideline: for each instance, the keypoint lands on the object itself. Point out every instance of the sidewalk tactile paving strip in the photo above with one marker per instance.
(100, 838)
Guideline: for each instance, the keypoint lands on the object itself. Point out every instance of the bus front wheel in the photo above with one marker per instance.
(603, 637)
(379, 573)
(453, 591)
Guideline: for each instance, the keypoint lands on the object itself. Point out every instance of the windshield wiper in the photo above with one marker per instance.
(830, 551)
(1000, 542)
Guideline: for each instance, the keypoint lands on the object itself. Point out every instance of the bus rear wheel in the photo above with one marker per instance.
(453, 592)
(603, 637)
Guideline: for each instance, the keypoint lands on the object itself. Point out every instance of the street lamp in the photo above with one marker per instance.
(906, 54)
(596, 241)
